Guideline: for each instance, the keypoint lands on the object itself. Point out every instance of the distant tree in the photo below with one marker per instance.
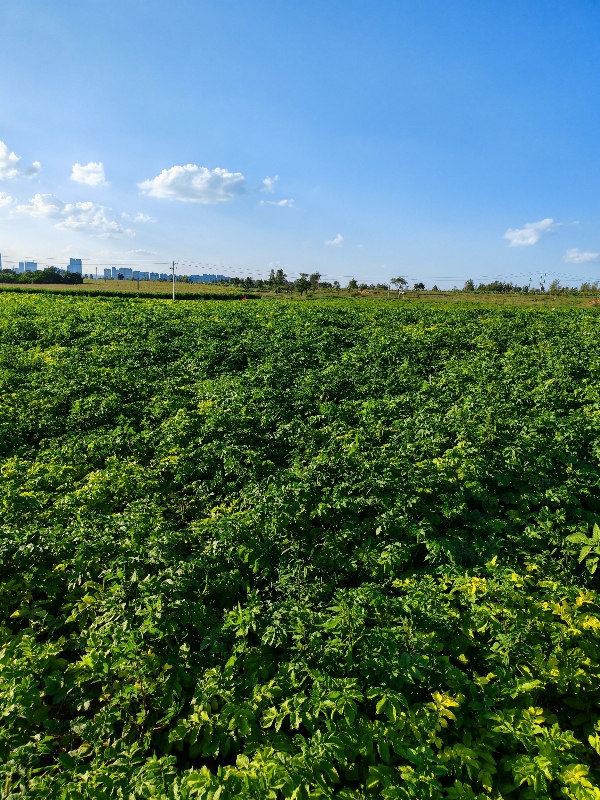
(302, 284)
(47, 275)
(469, 286)
(400, 283)
(419, 287)
(280, 280)
(499, 287)
(434, 288)
(555, 287)
(314, 280)
(336, 286)
(352, 285)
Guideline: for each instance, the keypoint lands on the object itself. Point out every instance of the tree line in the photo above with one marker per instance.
(47, 275)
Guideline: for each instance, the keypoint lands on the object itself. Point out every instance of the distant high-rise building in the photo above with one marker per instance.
(107, 272)
(163, 276)
(29, 266)
(125, 272)
(153, 276)
(144, 276)
(75, 265)
(21, 267)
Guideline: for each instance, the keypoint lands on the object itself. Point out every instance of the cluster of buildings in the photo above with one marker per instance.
(74, 265)
(130, 274)
(118, 273)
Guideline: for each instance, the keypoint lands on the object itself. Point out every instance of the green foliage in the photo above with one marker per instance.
(591, 548)
(47, 275)
(297, 551)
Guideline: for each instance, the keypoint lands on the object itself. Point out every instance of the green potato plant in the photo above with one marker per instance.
(590, 552)
(292, 550)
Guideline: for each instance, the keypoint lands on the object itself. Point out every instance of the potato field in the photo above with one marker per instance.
(266, 550)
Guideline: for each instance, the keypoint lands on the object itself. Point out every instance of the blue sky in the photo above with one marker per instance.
(428, 139)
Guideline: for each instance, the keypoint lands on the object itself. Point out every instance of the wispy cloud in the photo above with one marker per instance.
(337, 241)
(531, 232)
(140, 253)
(575, 256)
(32, 170)
(283, 203)
(192, 184)
(5, 199)
(139, 217)
(91, 174)
(268, 184)
(86, 217)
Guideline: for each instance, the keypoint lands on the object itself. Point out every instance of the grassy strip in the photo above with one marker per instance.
(131, 295)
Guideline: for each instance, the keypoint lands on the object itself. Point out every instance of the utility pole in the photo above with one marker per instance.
(173, 268)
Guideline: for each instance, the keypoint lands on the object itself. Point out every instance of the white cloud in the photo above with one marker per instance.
(283, 203)
(32, 170)
(531, 233)
(5, 199)
(338, 240)
(91, 174)
(8, 163)
(141, 252)
(268, 185)
(44, 205)
(92, 219)
(192, 184)
(86, 217)
(574, 256)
